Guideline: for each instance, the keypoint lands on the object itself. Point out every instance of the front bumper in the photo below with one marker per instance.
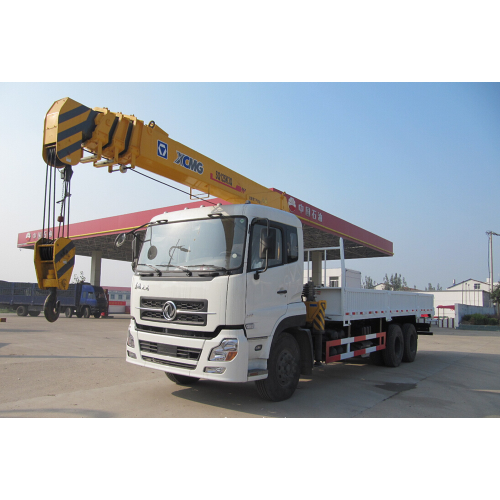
(188, 356)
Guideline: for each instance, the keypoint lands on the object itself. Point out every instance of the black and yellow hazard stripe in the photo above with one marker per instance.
(75, 125)
(319, 317)
(316, 314)
(64, 261)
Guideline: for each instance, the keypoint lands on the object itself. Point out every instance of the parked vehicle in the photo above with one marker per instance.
(81, 299)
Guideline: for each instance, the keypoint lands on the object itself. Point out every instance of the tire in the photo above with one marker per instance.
(22, 311)
(181, 379)
(393, 352)
(86, 312)
(283, 370)
(34, 313)
(68, 312)
(410, 338)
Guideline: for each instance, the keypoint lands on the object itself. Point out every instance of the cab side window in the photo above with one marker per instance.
(256, 262)
(292, 245)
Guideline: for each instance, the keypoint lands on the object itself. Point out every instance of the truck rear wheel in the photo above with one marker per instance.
(22, 311)
(86, 312)
(34, 313)
(68, 312)
(181, 379)
(283, 370)
(393, 352)
(410, 338)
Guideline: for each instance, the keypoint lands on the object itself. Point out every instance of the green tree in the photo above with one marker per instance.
(430, 288)
(395, 283)
(79, 279)
(368, 283)
(495, 297)
(387, 283)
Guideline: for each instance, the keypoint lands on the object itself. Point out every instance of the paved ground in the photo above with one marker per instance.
(76, 368)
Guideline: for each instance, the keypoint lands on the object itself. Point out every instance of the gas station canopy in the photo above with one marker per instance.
(321, 229)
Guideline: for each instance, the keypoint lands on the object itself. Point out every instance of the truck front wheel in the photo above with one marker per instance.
(22, 311)
(283, 370)
(86, 312)
(181, 379)
(393, 352)
(410, 338)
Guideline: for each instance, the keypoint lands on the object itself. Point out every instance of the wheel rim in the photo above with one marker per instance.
(286, 368)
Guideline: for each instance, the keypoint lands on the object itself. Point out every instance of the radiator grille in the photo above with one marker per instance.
(170, 350)
(187, 317)
(192, 334)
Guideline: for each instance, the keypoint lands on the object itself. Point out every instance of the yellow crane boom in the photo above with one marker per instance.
(123, 141)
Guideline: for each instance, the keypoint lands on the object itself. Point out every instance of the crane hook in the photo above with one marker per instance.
(51, 306)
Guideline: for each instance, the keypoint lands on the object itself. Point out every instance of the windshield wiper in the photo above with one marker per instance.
(183, 268)
(152, 267)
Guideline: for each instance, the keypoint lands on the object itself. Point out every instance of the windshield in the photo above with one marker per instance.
(198, 245)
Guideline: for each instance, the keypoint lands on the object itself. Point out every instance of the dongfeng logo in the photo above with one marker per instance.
(169, 310)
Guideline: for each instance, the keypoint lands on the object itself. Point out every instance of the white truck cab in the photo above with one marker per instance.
(212, 287)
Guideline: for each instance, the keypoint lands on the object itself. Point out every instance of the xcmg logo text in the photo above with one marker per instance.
(189, 163)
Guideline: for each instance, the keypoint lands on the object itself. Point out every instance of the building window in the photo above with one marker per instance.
(334, 281)
(477, 286)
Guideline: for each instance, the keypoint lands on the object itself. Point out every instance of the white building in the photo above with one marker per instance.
(334, 278)
(473, 294)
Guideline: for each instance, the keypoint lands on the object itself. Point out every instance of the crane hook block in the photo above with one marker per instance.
(54, 261)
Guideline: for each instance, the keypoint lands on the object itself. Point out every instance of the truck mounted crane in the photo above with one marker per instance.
(217, 292)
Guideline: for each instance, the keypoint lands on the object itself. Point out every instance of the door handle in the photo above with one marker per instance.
(281, 292)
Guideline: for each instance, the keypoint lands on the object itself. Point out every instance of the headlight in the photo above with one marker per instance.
(225, 351)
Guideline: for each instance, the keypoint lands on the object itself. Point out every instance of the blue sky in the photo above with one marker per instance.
(416, 163)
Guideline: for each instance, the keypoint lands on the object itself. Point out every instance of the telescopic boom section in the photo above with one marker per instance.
(121, 140)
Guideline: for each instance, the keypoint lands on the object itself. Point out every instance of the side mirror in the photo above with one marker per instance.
(120, 240)
(267, 247)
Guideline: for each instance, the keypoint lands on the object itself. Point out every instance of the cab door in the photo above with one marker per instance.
(266, 288)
